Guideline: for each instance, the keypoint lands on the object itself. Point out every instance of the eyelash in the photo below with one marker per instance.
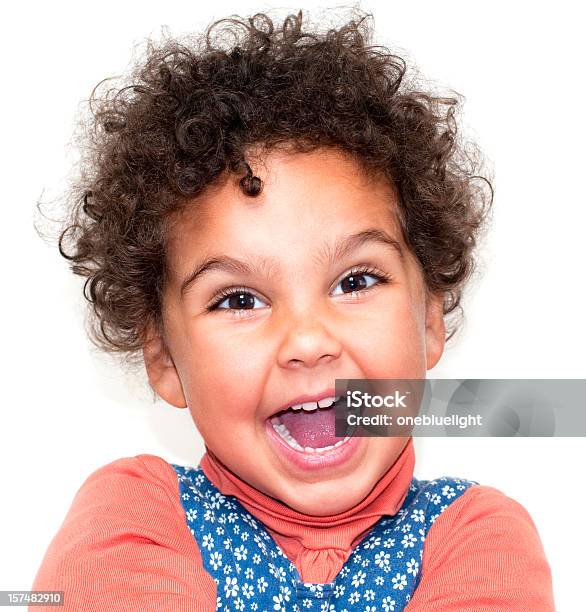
(381, 278)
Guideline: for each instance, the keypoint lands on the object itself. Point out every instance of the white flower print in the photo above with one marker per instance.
(250, 520)
(231, 587)
(412, 567)
(372, 543)
(399, 581)
(408, 540)
(216, 560)
(216, 501)
(285, 592)
(315, 588)
(247, 590)
(358, 579)
(448, 492)
(278, 602)
(418, 516)
(261, 584)
(240, 552)
(382, 559)
(388, 604)
(208, 541)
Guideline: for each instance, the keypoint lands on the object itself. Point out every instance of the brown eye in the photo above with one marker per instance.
(240, 301)
(235, 299)
(356, 281)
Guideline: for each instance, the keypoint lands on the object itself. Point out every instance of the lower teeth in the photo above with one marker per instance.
(285, 434)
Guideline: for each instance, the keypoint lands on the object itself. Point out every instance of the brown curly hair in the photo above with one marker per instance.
(191, 111)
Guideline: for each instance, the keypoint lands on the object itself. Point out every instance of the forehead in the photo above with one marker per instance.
(305, 198)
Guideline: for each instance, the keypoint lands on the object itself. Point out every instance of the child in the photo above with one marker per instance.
(258, 218)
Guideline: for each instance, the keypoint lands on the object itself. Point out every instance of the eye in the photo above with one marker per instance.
(236, 298)
(355, 282)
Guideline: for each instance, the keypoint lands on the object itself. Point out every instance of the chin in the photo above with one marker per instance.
(325, 500)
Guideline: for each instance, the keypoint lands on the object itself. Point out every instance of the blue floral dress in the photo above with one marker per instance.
(251, 572)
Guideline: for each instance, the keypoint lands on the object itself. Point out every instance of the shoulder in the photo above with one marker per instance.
(124, 487)
(483, 511)
(485, 541)
(483, 507)
(129, 477)
(125, 533)
(133, 493)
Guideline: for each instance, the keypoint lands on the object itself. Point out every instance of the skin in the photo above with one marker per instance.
(234, 368)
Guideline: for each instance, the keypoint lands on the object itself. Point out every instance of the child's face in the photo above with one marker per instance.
(297, 327)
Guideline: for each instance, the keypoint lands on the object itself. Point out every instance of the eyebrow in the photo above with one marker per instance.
(266, 265)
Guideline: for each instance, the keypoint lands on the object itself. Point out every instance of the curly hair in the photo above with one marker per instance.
(192, 109)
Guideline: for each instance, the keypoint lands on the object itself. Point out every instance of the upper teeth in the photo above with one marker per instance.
(326, 402)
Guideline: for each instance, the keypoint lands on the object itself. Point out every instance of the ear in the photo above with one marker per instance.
(161, 370)
(435, 330)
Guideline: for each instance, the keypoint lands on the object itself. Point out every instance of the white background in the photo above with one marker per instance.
(68, 410)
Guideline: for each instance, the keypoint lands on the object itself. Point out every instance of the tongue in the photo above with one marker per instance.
(315, 429)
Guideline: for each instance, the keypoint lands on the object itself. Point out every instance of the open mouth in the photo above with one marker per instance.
(309, 427)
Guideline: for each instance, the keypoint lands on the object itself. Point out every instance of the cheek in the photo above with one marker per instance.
(390, 342)
(223, 371)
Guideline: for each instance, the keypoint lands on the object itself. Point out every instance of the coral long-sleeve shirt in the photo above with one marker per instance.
(124, 545)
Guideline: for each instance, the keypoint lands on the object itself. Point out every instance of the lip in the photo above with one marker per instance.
(304, 398)
(313, 461)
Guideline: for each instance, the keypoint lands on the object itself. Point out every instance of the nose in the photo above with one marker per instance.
(307, 342)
